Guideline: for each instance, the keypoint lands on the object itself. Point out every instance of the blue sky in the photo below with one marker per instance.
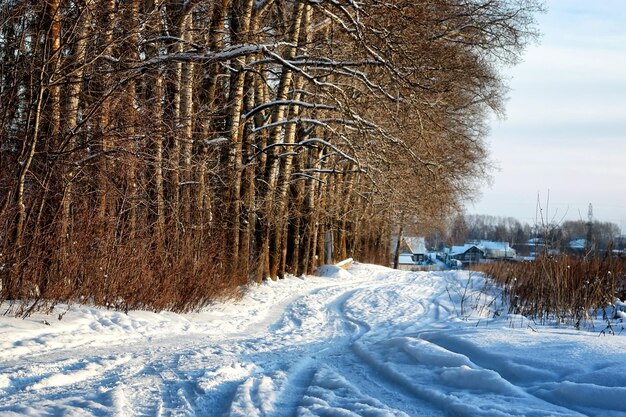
(565, 129)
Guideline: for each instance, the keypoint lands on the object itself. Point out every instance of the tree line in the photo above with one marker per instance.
(161, 153)
(464, 228)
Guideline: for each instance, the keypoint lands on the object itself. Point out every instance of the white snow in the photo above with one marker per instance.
(367, 341)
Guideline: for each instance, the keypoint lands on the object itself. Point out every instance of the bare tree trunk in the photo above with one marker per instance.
(248, 189)
(271, 177)
(311, 227)
(282, 218)
(261, 264)
(173, 164)
(53, 111)
(214, 99)
(396, 254)
(55, 58)
(104, 121)
(133, 54)
(281, 221)
(186, 123)
(155, 143)
(261, 96)
(25, 163)
(240, 26)
(317, 240)
(342, 247)
(157, 152)
(294, 256)
(71, 116)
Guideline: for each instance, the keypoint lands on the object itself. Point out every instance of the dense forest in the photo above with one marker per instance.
(161, 153)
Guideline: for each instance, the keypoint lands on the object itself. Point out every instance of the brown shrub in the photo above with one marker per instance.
(564, 288)
(119, 272)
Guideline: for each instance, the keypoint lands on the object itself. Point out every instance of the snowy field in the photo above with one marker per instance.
(370, 341)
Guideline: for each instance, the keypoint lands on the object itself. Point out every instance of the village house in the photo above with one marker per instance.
(412, 252)
(497, 250)
(466, 254)
(472, 253)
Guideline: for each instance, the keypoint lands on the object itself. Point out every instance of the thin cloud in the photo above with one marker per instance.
(566, 118)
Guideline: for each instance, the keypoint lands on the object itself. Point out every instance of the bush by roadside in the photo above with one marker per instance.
(565, 288)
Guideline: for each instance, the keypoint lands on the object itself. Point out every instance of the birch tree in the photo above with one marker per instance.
(159, 154)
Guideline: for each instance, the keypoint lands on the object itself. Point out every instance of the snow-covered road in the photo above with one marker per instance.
(370, 341)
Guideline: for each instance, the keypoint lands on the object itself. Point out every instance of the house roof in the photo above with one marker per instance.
(488, 244)
(483, 246)
(406, 258)
(457, 250)
(416, 244)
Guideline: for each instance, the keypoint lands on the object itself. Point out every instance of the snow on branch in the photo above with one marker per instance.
(170, 39)
(302, 175)
(216, 141)
(223, 55)
(300, 71)
(317, 61)
(307, 143)
(332, 171)
(291, 121)
(329, 145)
(286, 102)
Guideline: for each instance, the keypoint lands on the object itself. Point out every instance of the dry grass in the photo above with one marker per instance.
(118, 273)
(565, 288)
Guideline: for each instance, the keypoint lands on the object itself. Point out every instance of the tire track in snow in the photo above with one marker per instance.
(330, 363)
(349, 365)
(294, 376)
(428, 375)
(490, 363)
(301, 375)
(322, 315)
(363, 363)
(353, 347)
(353, 330)
(171, 393)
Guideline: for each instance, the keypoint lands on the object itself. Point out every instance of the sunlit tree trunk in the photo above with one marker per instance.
(74, 89)
(158, 160)
(273, 163)
(294, 239)
(25, 161)
(282, 215)
(132, 186)
(248, 185)
(103, 202)
(186, 125)
(54, 60)
(261, 95)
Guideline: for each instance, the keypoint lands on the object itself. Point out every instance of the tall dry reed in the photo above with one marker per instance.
(564, 288)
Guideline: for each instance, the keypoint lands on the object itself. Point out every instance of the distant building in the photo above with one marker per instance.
(413, 253)
(578, 245)
(466, 254)
(484, 250)
(497, 250)
(415, 246)
(535, 247)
